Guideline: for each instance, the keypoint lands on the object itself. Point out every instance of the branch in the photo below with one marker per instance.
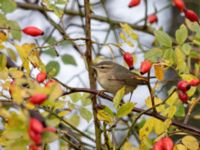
(95, 17)
(178, 124)
(88, 55)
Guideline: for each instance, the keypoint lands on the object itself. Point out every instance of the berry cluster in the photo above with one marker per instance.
(189, 14)
(35, 130)
(183, 86)
(145, 66)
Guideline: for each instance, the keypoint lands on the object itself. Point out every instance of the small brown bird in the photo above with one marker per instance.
(112, 77)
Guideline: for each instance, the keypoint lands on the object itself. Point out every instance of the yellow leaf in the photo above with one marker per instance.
(118, 97)
(36, 61)
(122, 36)
(180, 61)
(146, 129)
(127, 146)
(24, 53)
(55, 92)
(30, 106)
(63, 113)
(169, 112)
(129, 31)
(180, 147)
(159, 71)
(4, 74)
(167, 123)
(159, 126)
(102, 115)
(3, 36)
(172, 99)
(190, 142)
(157, 101)
(15, 73)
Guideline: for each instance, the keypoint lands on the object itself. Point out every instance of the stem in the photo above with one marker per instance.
(151, 93)
(88, 56)
(106, 137)
(146, 13)
(190, 109)
(67, 123)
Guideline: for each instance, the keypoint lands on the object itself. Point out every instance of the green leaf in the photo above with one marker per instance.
(163, 38)
(180, 110)
(125, 109)
(75, 97)
(181, 34)
(186, 48)
(169, 56)
(7, 6)
(74, 120)
(153, 54)
(85, 99)
(15, 30)
(68, 59)
(53, 121)
(180, 61)
(86, 114)
(48, 137)
(118, 97)
(51, 52)
(53, 68)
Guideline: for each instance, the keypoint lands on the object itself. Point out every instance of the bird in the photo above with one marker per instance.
(112, 77)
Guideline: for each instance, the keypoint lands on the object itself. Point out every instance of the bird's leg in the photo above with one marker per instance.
(130, 96)
(101, 92)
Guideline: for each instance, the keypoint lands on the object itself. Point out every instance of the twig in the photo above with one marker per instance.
(67, 123)
(95, 17)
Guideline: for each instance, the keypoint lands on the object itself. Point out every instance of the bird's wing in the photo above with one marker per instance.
(129, 78)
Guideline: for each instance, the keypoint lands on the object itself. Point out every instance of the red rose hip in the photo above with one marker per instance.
(183, 96)
(36, 137)
(35, 125)
(33, 31)
(191, 15)
(145, 66)
(38, 98)
(134, 3)
(128, 59)
(179, 4)
(50, 83)
(41, 77)
(183, 86)
(152, 19)
(165, 143)
(194, 82)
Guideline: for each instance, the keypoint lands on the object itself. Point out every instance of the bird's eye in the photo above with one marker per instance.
(102, 67)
